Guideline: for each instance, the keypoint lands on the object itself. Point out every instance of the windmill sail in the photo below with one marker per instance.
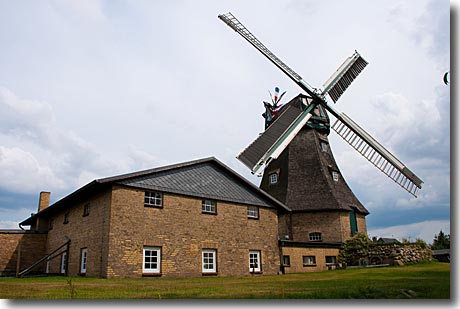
(375, 153)
(236, 25)
(336, 85)
(277, 136)
(280, 133)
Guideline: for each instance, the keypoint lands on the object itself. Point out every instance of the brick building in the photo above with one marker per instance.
(184, 220)
(198, 218)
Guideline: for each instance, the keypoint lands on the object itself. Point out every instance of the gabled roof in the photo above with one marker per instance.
(203, 178)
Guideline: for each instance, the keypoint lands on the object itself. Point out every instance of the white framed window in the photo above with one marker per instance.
(331, 259)
(324, 147)
(253, 212)
(254, 261)
(83, 257)
(154, 199)
(152, 260)
(335, 176)
(273, 178)
(309, 260)
(208, 206)
(63, 262)
(209, 261)
(316, 236)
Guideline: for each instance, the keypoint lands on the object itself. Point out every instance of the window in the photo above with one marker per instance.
(273, 178)
(335, 176)
(253, 212)
(309, 260)
(66, 218)
(331, 259)
(254, 261)
(324, 146)
(286, 260)
(316, 236)
(208, 258)
(86, 210)
(152, 260)
(208, 206)
(83, 256)
(153, 199)
(63, 262)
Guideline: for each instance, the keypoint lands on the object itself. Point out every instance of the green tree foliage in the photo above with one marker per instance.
(441, 241)
(355, 249)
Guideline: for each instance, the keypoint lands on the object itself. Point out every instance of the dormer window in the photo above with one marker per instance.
(273, 178)
(335, 176)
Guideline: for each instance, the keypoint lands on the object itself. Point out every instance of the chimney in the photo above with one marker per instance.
(44, 200)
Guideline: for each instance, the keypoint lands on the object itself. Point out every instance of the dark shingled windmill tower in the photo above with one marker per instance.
(306, 178)
(300, 169)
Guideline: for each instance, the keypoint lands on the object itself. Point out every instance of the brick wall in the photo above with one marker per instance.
(89, 231)
(296, 258)
(31, 245)
(334, 226)
(181, 230)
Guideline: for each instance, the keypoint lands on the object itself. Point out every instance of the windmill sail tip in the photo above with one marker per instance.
(336, 85)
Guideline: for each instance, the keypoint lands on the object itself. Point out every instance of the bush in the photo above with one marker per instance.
(355, 249)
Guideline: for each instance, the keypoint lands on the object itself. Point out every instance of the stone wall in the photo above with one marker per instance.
(398, 254)
(26, 245)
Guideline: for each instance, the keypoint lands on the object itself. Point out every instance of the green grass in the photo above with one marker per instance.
(428, 281)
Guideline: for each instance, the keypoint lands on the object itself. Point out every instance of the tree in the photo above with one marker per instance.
(441, 241)
(354, 249)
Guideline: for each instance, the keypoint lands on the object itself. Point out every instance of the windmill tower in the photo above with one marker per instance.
(300, 169)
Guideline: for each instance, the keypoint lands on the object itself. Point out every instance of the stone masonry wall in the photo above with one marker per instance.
(398, 254)
(181, 230)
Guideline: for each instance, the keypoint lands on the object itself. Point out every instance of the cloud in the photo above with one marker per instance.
(422, 230)
(42, 156)
(20, 171)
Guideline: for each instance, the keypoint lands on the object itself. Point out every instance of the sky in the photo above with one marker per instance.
(94, 88)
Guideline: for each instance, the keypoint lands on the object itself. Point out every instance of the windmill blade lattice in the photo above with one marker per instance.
(336, 85)
(375, 153)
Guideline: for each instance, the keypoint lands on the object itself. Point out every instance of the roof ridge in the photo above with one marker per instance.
(155, 170)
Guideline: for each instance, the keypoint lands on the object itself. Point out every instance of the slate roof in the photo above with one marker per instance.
(204, 178)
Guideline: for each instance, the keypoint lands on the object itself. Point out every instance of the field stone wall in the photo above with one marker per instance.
(398, 254)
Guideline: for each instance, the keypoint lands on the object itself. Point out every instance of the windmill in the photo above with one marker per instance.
(271, 143)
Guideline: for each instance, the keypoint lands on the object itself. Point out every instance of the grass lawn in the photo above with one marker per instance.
(429, 281)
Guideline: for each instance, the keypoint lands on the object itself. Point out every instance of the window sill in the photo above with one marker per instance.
(209, 213)
(310, 265)
(253, 218)
(257, 272)
(209, 274)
